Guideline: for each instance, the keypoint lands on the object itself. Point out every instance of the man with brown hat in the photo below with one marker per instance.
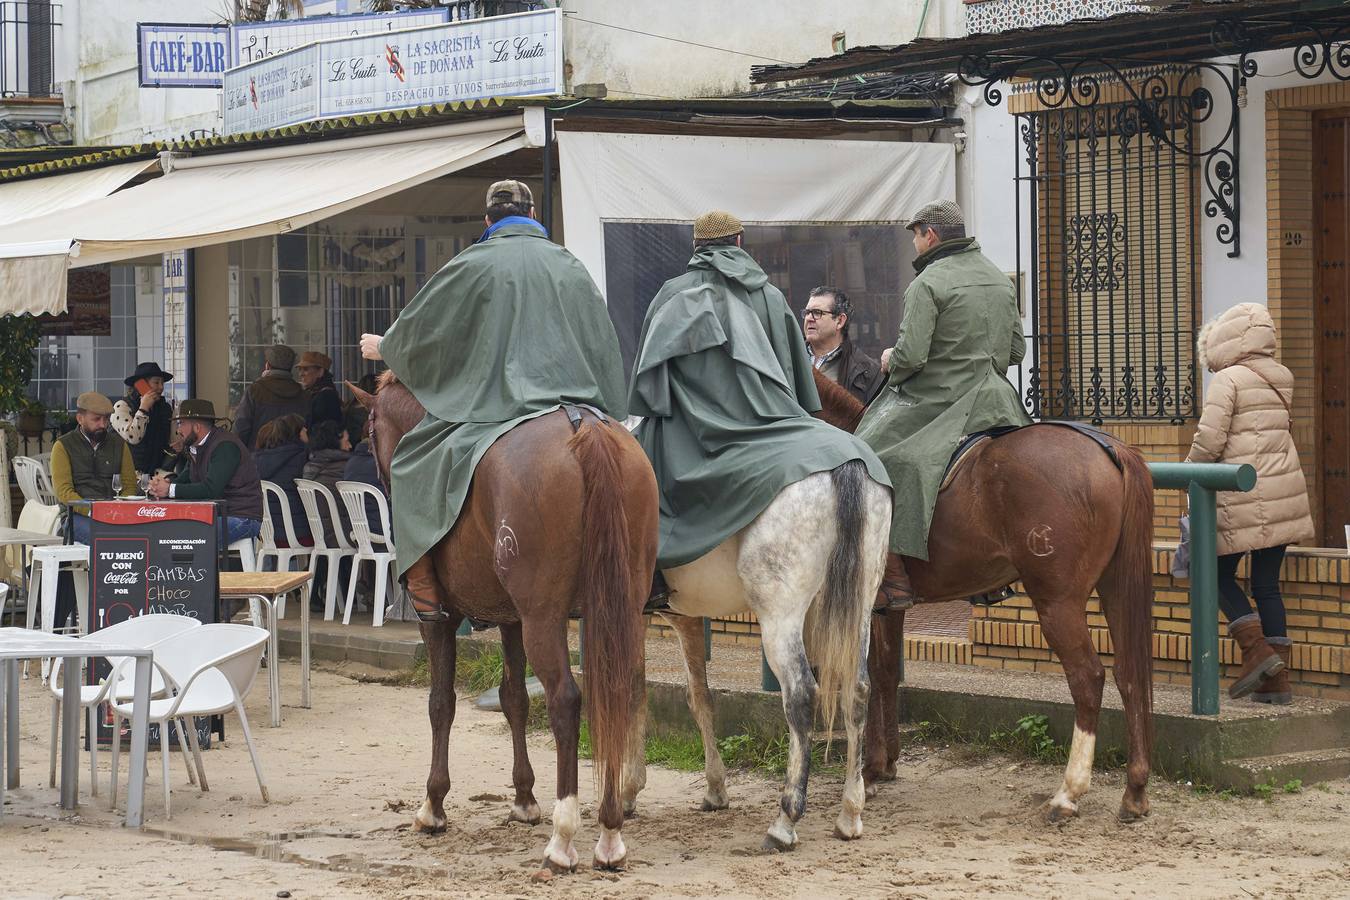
(510, 329)
(726, 390)
(215, 466)
(275, 394)
(324, 403)
(948, 377)
(88, 462)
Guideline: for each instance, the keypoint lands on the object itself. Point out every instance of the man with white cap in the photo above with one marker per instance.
(86, 461)
(947, 377)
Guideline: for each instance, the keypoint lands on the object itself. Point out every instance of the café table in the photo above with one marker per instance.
(17, 537)
(23, 643)
(267, 588)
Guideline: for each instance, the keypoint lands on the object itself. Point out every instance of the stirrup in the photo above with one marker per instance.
(992, 597)
(436, 614)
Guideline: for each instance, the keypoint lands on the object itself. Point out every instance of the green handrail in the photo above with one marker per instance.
(1201, 481)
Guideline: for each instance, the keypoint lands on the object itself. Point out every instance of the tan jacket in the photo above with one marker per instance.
(1246, 420)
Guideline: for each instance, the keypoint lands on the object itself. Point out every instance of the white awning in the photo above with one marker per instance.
(40, 196)
(230, 197)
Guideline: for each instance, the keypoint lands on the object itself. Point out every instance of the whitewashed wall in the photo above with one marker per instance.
(104, 102)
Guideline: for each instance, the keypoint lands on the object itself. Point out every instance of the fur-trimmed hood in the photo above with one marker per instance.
(1237, 334)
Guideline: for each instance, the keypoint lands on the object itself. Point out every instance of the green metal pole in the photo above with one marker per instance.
(707, 638)
(463, 630)
(581, 644)
(767, 680)
(1204, 603)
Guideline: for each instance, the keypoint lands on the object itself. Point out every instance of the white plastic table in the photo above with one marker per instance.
(15, 537)
(21, 643)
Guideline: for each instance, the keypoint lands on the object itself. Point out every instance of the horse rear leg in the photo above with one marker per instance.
(439, 638)
(516, 707)
(1063, 621)
(882, 735)
(635, 766)
(689, 630)
(849, 825)
(546, 646)
(786, 654)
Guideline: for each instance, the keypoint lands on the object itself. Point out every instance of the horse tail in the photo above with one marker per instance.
(1128, 593)
(839, 625)
(611, 609)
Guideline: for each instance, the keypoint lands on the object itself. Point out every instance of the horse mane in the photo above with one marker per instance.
(386, 377)
(837, 406)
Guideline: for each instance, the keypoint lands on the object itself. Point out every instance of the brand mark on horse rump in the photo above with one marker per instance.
(1038, 541)
(507, 548)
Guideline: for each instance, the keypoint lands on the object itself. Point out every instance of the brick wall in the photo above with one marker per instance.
(1317, 598)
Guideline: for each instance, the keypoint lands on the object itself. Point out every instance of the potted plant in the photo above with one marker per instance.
(61, 420)
(32, 418)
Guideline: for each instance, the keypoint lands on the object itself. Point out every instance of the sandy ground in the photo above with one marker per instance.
(346, 775)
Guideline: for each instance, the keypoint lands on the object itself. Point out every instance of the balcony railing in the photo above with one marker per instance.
(29, 41)
(993, 16)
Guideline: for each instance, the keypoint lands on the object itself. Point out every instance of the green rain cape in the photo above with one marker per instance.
(507, 331)
(724, 383)
(948, 378)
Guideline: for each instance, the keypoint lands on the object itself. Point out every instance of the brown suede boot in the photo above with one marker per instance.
(425, 591)
(1259, 661)
(1275, 689)
(895, 592)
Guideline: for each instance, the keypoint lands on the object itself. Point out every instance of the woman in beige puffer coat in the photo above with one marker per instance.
(1247, 420)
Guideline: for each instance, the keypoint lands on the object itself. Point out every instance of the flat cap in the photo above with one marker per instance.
(315, 359)
(94, 402)
(940, 213)
(279, 356)
(716, 224)
(510, 191)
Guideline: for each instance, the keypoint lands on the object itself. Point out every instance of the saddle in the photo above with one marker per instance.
(962, 454)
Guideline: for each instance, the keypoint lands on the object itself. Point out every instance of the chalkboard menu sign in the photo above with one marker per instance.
(152, 557)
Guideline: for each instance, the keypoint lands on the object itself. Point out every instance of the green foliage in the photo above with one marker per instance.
(1265, 790)
(1030, 737)
(18, 341)
(1294, 787)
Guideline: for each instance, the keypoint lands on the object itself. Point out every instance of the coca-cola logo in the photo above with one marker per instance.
(152, 512)
(120, 578)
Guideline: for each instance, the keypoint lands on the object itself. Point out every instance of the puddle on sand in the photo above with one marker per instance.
(272, 847)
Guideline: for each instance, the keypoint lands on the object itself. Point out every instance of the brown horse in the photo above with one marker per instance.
(554, 521)
(1046, 506)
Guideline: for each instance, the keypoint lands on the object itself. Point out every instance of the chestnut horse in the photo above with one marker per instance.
(1046, 506)
(556, 520)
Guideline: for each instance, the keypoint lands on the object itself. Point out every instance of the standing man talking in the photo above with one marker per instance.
(825, 325)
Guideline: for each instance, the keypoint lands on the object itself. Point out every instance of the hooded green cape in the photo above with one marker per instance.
(507, 331)
(725, 386)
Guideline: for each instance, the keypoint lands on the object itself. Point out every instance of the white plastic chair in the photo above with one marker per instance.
(141, 631)
(354, 494)
(4, 601)
(311, 494)
(46, 572)
(35, 479)
(210, 670)
(285, 556)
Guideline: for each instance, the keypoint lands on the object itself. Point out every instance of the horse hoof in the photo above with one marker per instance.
(870, 790)
(772, 844)
(614, 865)
(559, 868)
(711, 804)
(528, 815)
(421, 827)
(1056, 814)
(853, 832)
(1133, 812)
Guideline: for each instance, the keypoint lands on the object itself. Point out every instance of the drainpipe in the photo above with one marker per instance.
(547, 210)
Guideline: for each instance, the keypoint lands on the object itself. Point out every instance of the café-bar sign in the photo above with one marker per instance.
(517, 55)
(182, 55)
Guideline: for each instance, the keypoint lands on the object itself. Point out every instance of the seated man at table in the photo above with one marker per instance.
(216, 466)
(85, 461)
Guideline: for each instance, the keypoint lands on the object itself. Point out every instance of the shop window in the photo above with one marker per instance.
(869, 262)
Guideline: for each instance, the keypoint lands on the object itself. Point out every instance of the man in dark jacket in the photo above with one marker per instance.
(825, 324)
(275, 394)
(217, 467)
(316, 376)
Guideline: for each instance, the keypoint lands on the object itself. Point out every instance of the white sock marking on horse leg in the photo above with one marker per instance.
(566, 821)
(426, 820)
(783, 831)
(609, 850)
(1078, 773)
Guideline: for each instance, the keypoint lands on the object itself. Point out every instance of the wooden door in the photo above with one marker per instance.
(1331, 134)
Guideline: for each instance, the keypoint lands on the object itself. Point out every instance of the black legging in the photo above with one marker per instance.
(1265, 580)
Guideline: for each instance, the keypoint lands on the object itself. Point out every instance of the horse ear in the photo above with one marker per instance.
(365, 399)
